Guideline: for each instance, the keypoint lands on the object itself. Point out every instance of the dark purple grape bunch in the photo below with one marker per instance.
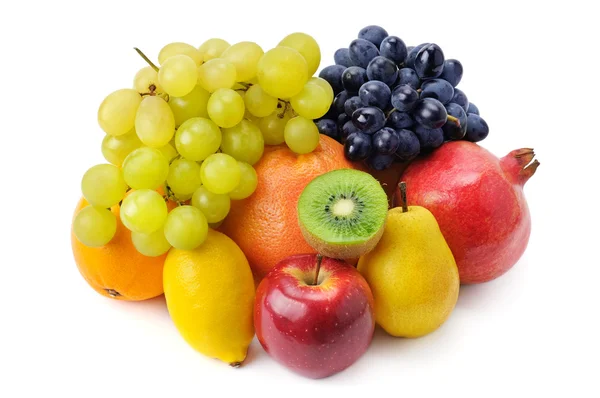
(393, 102)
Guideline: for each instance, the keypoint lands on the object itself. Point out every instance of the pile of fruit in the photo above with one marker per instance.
(220, 193)
(393, 102)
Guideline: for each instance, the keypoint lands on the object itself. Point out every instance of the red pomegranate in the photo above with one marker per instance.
(478, 202)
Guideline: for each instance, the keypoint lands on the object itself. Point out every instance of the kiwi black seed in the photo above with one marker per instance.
(342, 213)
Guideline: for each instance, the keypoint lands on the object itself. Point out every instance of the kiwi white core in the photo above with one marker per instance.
(343, 207)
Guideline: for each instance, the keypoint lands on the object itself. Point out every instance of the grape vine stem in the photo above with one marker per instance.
(454, 120)
(141, 54)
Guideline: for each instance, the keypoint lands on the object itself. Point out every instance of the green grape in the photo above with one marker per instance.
(154, 122)
(213, 48)
(95, 226)
(307, 47)
(145, 168)
(116, 149)
(244, 142)
(145, 79)
(197, 138)
(103, 185)
(186, 228)
(169, 152)
(324, 84)
(215, 74)
(144, 211)
(258, 102)
(220, 173)
(214, 206)
(301, 135)
(184, 176)
(153, 244)
(173, 49)
(312, 102)
(116, 114)
(272, 127)
(282, 72)
(248, 182)
(244, 55)
(178, 75)
(226, 107)
(190, 105)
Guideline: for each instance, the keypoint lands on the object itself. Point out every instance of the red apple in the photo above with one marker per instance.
(315, 329)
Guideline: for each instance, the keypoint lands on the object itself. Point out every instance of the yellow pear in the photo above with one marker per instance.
(210, 297)
(412, 274)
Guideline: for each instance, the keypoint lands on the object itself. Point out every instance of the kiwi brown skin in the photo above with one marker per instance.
(343, 252)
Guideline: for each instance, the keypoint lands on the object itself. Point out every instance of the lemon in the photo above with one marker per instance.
(210, 297)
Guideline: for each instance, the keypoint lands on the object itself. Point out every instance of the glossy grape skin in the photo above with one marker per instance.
(272, 128)
(342, 57)
(408, 144)
(461, 99)
(215, 207)
(340, 100)
(408, 76)
(244, 142)
(400, 120)
(103, 185)
(429, 62)
(368, 119)
(152, 245)
(178, 75)
(307, 46)
(94, 226)
(245, 57)
(386, 141)
(404, 98)
(215, 74)
(452, 131)
(190, 105)
(145, 79)
(143, 211)
(282, 72)
(258, 102)
(358, 146)
(380, 161)
(352, 104)
(226, 107)
(429, 138)
(117, 112)
(477, 128)
(220, 173)
(179, 48)
(333, 75)
(301, 135)
(393, 48)
(312, 102)
(346, 129)
(342, 119)
(362, 52)
(213, 48)
(329, 128)
(353, 78)
(412, 55)
(197, 138)
(184, 176)
(382, 69)
(453, 72)
(145, 168)
(373, 33)
(324, 85)
(248, 182)
(429, 113)
(473, 109)
(439, 89)
(375, 93)
(116, 149)
(154, 122)
(186, 228)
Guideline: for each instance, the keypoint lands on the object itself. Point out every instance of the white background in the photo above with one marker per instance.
(532, 69)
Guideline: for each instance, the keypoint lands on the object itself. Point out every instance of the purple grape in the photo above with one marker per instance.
(386, 141)
(333, 75)
(346, 129)
(358, 146)
(404, 98)
(453, 71)
(352, 104)
(368, 119)
(340, 100)
(382, 69)
(362, 52)
(473, 109)
(429, 138)
(342, 57)
(452, 131)
(412, 55)
(408, 76)
(329, 128)
(477, 128)
(379, 161)
(461, 99)
(375, 93)
(429, 62)
(373, 33)
(400, 120)
(393, 48)
(354, 77)
(439, 89)
(408, 144)
(429, 113)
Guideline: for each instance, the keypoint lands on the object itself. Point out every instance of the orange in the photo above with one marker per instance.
(117, 269)
(265, 225)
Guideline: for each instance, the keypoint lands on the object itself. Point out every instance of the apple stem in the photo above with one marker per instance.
(402, 186)
(319, 260)
(146, 58)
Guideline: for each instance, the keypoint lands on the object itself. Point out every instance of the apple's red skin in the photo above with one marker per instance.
(478, 202)
(314, 330)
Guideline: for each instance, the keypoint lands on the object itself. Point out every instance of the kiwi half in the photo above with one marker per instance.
(342, 213)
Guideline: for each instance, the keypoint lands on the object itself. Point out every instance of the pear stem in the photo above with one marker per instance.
(402, 186)
(146, 58)
(319, 260)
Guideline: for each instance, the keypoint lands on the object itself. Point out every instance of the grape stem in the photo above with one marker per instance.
(454, 120)
(402, 186)
(141, 54)
(285, 108)
(170, 195)
(389, 113)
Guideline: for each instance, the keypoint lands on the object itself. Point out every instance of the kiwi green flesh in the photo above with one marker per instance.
(342, 209)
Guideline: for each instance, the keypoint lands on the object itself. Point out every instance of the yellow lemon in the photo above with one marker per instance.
(210, 297)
